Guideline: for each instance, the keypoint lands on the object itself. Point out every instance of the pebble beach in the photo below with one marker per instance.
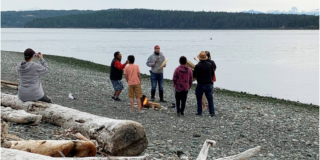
(284, 129)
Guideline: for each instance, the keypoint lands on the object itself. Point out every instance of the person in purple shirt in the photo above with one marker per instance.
(182, 82)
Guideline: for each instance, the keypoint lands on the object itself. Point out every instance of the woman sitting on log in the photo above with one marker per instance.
(30, 88)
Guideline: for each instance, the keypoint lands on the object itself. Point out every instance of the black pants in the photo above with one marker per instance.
(181, 96)
(45, 99)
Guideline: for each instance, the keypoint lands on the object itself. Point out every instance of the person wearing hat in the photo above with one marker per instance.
(154, 61)
(203, 71)
(116, 72)
(214, 67)
(30, 88)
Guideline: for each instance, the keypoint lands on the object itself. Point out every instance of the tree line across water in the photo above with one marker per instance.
(160, 19)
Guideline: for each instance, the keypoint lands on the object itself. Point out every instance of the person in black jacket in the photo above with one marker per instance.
(214, 67)
(116, 73)
(203, 71)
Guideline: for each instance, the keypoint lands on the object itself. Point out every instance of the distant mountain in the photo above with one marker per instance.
(293, 10)
(18, 19)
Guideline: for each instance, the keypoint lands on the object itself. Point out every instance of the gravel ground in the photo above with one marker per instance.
(285, 130)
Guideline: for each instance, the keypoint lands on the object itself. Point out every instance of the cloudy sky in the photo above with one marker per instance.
(195, 5)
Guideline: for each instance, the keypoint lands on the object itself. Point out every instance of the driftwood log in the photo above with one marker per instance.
(13, 154)
(9, 84)
(116, 137)
(241, 156)
(19, 116)
(53, 148)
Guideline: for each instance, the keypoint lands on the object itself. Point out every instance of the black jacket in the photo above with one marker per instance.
(203, 71)
(115, 73)
(214, 67)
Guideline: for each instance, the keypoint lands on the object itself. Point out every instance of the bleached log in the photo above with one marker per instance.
(12, 154)
(19, 116)
(205, 148)
(52, 147)
(243, 155)
(4, 130)
(117, 137)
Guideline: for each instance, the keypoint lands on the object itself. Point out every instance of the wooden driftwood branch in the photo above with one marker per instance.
(117, 137)
(243, 155)
(19, 116)
(13, 154)
(10, 83)
(53, 148)
(205, 148)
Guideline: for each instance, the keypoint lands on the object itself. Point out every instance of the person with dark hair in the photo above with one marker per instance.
(154, 61)
(116, 69)
(182, 82)
(132, 73)
(30, 87)
(203, 71)
(214, 67)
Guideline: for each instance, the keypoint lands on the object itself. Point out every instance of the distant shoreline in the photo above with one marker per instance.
(158, 28)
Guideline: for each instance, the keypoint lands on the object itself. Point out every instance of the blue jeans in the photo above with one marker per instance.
(208, 90)
(156, 78)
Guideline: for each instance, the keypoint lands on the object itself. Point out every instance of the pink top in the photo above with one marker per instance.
(132, 71)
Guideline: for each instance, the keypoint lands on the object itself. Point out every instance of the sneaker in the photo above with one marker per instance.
(117, 99)
(182, 114)
(113, 98)
(199, 114)
(212, 115)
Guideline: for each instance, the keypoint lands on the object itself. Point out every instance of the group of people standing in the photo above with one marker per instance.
(30, 88)
(204, 73)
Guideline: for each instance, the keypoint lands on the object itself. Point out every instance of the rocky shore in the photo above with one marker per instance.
(285, 129)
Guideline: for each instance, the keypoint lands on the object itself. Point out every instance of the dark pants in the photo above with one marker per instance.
(45, 99)
(181, 96)
(156, 78)
(208, 90)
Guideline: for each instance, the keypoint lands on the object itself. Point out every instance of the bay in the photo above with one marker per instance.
(278, 63)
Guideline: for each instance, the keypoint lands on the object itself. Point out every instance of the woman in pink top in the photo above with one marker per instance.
(132, 72)
(182, 82)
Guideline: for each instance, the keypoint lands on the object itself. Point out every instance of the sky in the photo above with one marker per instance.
(191, 5)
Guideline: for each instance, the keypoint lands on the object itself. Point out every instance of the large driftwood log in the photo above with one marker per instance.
(13, 154)
(52, 147)
(19, 116)
(4, 130)
(117, 137)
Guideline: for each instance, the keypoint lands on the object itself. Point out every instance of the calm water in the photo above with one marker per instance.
(277, 63)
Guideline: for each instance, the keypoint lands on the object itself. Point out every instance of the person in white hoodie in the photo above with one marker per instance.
(30, 88)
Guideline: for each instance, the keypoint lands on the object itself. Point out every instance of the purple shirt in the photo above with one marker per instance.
(182, 78)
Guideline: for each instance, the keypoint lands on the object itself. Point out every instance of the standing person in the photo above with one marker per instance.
(30, 87)
(116, 75)
(132, 72)
(214, 67)
(204, 73)
(154, 61)
(182, 82)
